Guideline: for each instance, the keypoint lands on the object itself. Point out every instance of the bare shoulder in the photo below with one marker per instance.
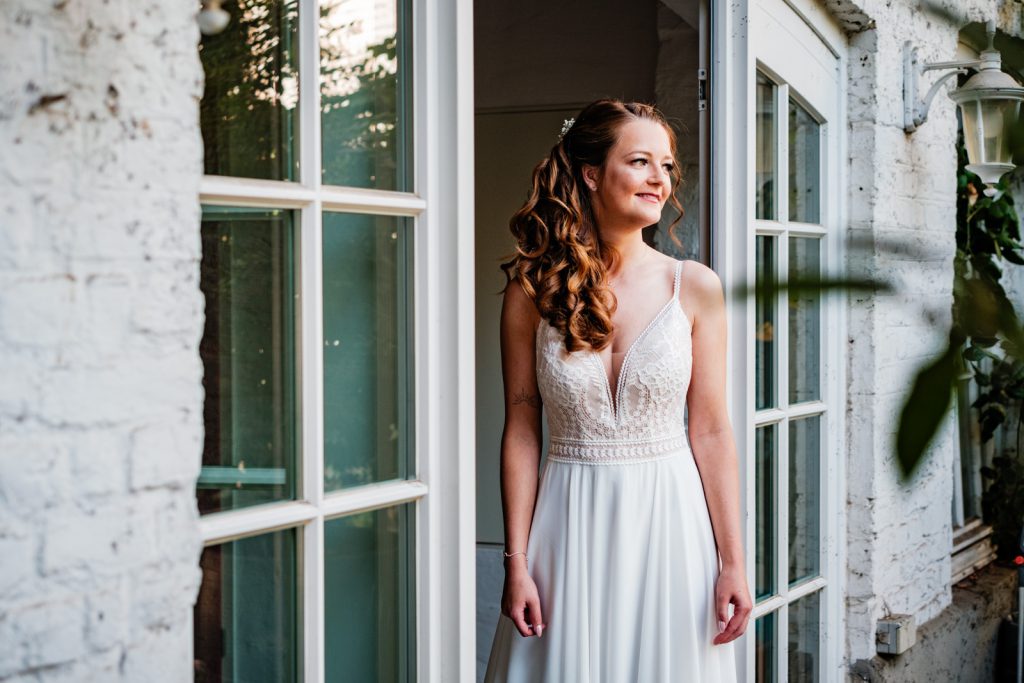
(518, 306)
(701, 290)
(518, 302)
(700, 281)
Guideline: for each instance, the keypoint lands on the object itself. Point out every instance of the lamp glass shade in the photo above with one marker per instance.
(987, 125)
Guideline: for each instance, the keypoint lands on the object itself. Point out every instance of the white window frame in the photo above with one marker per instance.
(440, 206)
(732, 91)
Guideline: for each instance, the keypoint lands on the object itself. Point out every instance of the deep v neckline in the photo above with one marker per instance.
(615, 400)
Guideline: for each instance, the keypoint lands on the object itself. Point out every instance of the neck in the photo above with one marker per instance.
(633, 251)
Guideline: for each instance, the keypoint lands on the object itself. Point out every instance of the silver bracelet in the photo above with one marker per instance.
(518, 552)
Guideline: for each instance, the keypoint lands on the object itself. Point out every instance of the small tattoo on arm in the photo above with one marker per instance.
(521, 396)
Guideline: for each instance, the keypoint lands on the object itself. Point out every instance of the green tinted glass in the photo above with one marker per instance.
(366, 94)
(369, 578)
(249, 109)
(367, 368)
(245, 618)
(248, 350)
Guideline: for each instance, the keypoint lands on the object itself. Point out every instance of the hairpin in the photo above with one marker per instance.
(566, 125)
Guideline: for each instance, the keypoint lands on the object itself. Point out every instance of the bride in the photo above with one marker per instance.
(623, 559)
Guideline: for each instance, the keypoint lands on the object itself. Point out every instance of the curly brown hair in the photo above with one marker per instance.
(560, 260)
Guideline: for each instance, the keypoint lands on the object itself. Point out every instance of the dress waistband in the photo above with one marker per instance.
(594, 452)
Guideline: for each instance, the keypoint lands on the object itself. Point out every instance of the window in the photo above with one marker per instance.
(791, 417)
(309, 490)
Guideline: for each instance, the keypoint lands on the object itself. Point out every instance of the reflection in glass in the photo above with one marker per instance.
(764, 511)
(245, 617)
(250, 415)
(365, 94)
(804, 322)
(804, 165)
(804, 498)
(765, 654)
(765, 137)
(367, 390)
(764, 320)
(248, 113)
(804, 639)
(369, 580)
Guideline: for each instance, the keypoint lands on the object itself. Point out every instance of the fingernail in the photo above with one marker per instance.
(721, 626)
(540, 630)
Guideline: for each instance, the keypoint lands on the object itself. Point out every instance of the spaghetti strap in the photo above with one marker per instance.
(675, 284)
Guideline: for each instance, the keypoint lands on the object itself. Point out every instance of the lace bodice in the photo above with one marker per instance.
(645, 420)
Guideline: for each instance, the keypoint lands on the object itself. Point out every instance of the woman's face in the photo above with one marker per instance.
(631, 188)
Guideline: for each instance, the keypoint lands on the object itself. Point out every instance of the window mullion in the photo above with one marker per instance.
(309, 94)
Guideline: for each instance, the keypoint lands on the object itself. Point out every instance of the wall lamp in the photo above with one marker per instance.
(989, 102)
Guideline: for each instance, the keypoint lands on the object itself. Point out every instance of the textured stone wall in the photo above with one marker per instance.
(100, 320)
(902, 215)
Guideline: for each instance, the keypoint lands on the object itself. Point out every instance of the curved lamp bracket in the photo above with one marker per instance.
(915, 112)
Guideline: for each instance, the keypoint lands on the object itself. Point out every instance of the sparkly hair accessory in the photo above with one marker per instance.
(566, 125)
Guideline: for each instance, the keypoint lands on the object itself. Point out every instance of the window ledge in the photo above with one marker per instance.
(972, 549)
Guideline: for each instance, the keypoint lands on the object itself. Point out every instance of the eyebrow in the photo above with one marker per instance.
(640, 151)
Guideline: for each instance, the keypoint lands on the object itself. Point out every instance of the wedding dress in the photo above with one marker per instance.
(621, 545)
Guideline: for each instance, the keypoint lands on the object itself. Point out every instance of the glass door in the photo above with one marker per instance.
(795, 234)
(323, 236)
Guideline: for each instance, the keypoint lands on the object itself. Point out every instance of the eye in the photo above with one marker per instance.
(670, 167)
(640, 159)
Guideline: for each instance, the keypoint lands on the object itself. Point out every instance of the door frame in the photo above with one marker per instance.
(734, 64)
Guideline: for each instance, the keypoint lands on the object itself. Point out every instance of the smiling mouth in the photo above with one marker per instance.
(653, 198)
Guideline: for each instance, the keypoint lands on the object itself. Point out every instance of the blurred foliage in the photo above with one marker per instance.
(247, 113)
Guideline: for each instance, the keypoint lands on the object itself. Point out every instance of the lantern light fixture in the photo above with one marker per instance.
(989, 102)
(212, 18)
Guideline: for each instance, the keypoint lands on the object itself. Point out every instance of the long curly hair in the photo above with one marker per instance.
(559, 259)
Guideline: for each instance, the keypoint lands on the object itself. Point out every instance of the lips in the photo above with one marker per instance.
(650, 197)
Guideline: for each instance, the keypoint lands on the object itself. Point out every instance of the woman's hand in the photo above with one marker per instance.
(520, 600)
(731, 587)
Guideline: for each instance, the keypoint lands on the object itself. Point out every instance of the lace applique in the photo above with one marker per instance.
(646, 419)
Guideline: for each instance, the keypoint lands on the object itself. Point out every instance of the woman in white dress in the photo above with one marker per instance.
(624, 559)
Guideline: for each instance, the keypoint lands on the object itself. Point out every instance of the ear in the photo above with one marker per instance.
(591, 176)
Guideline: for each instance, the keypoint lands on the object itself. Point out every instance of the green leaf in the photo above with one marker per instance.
(925, 406)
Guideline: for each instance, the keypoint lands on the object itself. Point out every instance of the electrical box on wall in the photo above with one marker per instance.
(895, 634)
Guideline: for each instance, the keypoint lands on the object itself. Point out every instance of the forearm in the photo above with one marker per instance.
(715, 455)
(520, 458)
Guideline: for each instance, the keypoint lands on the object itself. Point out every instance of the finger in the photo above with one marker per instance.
(536, 618)
(520, 621)
(722, 608)
(732, 629)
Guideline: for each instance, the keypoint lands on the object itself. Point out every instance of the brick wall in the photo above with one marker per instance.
(902, 193)
(100, 319)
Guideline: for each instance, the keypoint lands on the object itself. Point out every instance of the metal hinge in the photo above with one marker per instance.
(702, 89)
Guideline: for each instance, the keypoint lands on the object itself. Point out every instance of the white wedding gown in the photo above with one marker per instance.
(621, 546)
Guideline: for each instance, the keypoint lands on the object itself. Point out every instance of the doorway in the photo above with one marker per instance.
(535, 65)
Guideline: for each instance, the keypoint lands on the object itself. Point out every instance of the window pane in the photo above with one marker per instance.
(764, 173)
(804, 639)
(250, 414)
(766, 511)
(804, 165)
(764, 332)
(804, 497)
(765, 654)
(245, 617)
(366, 94)
(367, 378)
(369, 602)
(804, 321)
(248, 113)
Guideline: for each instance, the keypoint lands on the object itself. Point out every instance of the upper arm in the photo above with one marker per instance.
(519, 320)
(706, 402)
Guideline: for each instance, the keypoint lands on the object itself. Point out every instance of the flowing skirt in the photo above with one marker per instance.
(625, 563)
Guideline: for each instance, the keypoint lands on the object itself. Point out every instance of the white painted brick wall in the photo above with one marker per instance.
(902, 190)
(100, 320)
